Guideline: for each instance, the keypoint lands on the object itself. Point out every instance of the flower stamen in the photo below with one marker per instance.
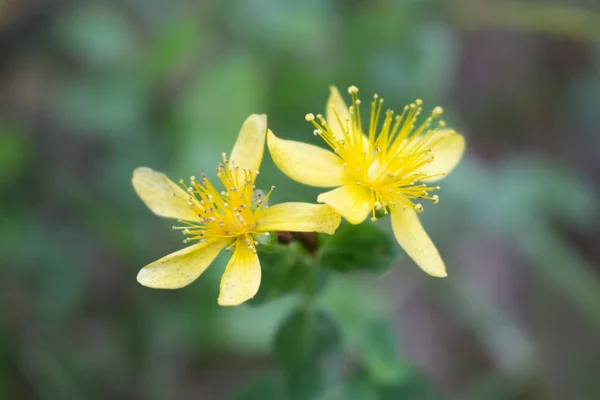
(388, 160)
(226, 213)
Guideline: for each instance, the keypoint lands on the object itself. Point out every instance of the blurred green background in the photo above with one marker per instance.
(89, 90)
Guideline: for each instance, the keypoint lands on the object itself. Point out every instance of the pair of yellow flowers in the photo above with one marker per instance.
(389, 167)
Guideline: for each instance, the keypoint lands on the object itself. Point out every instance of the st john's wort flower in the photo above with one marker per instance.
(227, 219)
(391, 166)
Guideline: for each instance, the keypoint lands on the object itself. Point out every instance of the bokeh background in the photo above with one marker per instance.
(89, 90)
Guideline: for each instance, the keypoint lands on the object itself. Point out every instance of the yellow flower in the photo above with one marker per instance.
(391, 167)
(224, 219)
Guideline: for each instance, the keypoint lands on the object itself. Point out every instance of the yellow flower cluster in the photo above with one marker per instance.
(390, 167)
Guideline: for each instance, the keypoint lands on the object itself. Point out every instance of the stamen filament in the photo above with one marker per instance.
(389, 162)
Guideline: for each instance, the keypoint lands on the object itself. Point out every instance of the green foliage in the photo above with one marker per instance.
(265, 387)
(291, 268)
(13, 152)
(360, 386)
(91, 90)
(362, 247)
(99, 35)
(285, 269)
(416, 387)
(380, 355)
(212, 108)
(308, 345)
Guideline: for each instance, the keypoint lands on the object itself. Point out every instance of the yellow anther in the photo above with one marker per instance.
(310, 117)
(395, 148)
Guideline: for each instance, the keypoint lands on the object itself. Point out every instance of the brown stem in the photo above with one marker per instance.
(308, 240)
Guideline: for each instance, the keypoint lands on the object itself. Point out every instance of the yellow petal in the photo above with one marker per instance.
(241, 279)
(306, 163)
(249, 147)
(299, 217)
(352, 201)
(162, 195)
(447, 148)
(336, 107)
(416, 243)
(182, 267)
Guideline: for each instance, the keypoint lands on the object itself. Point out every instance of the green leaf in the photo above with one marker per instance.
(174, 48)
(108, 105)
(209, 115)
(265, 387)
(308, 345)
(415, 387)
(362, 247)
(358, 387)
(14, 152)
(98, 35)
(287, 269)
(283, 271)
(380, 354)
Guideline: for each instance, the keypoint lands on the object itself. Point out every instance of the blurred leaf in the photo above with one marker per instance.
(362, 247)
(358, 387)
(61, 274)
(551, 196)
(308, 345)
(99, 36)
(13, 152)
(175, 47)
(582, 102)
(558, 261)
(283, 270)
(380, 354)
(266, 387)
(356, 311)
(435, 67)
(287, 269)
(415, 387)
(112, 104)
(297, 28)
(210, 115)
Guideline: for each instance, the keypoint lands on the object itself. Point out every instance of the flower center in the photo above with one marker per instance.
(228, 213)
(390, 159)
